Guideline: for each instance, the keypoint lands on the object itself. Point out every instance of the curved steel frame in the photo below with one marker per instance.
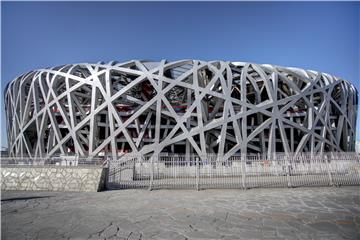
(187, 107)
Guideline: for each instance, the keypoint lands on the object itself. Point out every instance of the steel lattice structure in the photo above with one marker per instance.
(187, 107)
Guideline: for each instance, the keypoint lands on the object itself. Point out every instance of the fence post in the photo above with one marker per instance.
(329, 173)
(354, 158)
(357, 162)
(151, 172)
(288, 162)
(197, 173)
(243, 170)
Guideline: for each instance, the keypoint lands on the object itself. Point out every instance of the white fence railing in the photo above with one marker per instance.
(236, 172)
(212, 171)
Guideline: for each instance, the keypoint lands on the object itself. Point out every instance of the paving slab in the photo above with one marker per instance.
(295, 213)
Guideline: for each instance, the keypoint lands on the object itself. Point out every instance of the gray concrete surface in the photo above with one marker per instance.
(300, 213)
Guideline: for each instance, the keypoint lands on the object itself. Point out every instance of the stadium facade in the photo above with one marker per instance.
(183, 107)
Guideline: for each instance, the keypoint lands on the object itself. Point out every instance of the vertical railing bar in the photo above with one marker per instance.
(151, 172)
(328, 170)
(243, 171)
(197, 173)
(288, 162)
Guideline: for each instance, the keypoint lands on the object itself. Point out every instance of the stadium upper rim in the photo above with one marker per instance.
(153, 64)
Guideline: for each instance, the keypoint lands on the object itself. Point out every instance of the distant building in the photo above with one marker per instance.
(183, 107)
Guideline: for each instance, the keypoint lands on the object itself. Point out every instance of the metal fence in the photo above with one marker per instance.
(211, 171)
(330, 169)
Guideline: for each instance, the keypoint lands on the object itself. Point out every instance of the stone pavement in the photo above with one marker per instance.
(299, 213)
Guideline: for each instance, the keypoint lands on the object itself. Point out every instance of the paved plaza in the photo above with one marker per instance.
(299, 213)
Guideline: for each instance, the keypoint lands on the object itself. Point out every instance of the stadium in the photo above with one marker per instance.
(186, 107)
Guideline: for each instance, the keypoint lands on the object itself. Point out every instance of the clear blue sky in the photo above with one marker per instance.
(318, 36)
